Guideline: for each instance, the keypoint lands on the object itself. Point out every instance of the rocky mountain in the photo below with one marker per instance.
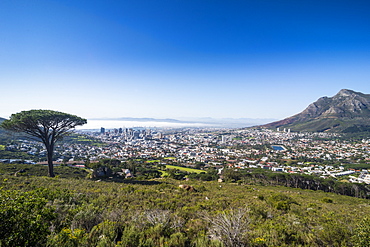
(347, 111)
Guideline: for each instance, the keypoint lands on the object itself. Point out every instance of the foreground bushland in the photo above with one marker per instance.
(74, 211)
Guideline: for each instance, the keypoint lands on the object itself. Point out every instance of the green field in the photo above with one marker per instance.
(170, 158)
(2, 147)
(191, 170)
(153, 161)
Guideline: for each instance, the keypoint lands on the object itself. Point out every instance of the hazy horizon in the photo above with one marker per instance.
(111, 123)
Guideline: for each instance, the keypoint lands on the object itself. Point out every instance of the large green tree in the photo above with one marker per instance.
(46, 125)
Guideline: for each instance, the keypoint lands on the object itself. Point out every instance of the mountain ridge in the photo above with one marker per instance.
(347, 111)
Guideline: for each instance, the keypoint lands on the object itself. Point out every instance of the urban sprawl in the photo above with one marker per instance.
(321, 154)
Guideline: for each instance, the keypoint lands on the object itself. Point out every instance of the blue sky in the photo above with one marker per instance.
(171, 59)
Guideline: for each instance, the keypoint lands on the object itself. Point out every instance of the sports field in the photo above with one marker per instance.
(184, 169)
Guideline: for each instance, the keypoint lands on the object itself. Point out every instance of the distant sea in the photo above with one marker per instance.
(171, 123)
(111, 124)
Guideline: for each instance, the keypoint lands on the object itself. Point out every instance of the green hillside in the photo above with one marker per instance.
(81, 212)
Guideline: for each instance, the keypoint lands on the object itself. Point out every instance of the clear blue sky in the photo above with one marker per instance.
(189, 58)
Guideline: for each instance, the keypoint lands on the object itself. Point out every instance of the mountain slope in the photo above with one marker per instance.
(347, 111)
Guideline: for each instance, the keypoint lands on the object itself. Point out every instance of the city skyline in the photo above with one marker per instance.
(173, 59)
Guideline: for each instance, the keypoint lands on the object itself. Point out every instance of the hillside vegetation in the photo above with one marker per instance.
(75, 211)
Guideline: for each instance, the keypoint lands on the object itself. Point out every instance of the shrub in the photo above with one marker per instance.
(281, 201)
(230, 227)
(130, 237)
(327, 200)
(87, 218)
(24, 219)
(177, 239)
(361, 236)
(104, 234)
(68, 238)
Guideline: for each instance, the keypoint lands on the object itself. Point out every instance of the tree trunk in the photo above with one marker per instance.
(50, 161)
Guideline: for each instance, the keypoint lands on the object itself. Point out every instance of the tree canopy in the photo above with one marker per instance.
(46, 125)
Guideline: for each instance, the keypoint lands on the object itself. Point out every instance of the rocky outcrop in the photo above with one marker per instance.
(187, 187)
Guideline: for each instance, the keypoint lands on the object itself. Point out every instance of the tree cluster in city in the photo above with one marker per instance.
(302, 181)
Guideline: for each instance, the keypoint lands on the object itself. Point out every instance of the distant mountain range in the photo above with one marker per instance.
(212, 122)
(347, 112)
(168, 120)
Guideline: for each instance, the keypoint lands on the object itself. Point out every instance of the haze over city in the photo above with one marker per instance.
(176, 59)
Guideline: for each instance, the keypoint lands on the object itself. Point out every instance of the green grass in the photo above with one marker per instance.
(191, 170)
(2, 147)
(164, 173)
(153, 161)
